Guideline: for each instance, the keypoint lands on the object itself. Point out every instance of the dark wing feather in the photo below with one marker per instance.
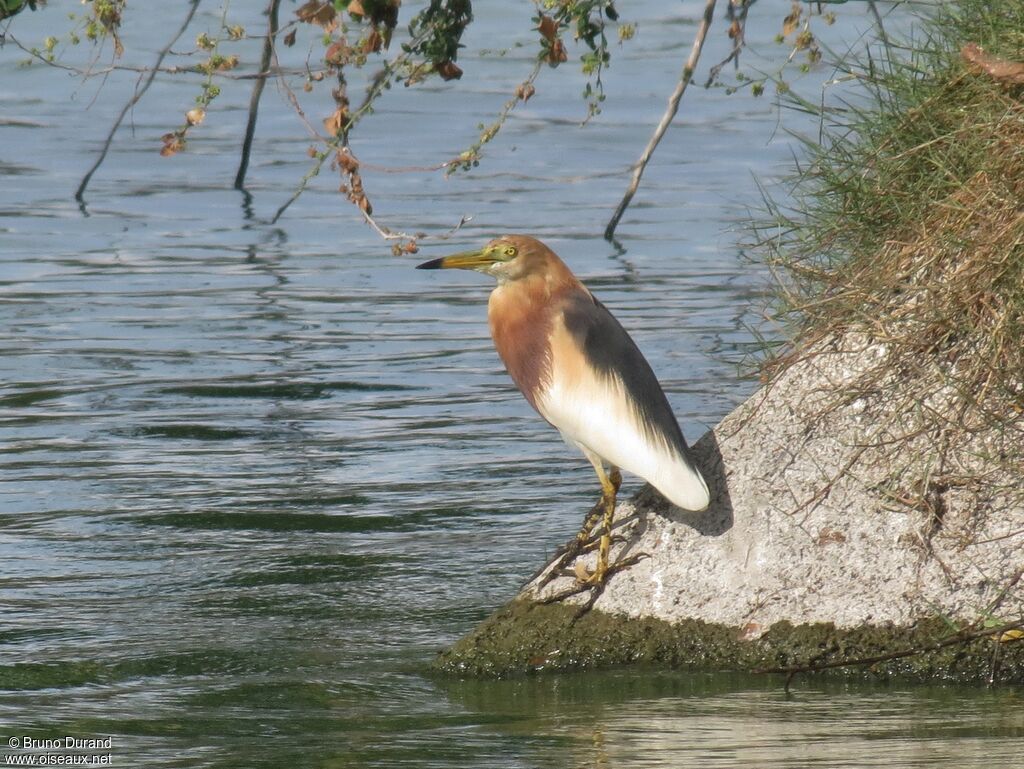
(613, 353)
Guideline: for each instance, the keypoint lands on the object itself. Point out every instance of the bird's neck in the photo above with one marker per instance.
(522, 315)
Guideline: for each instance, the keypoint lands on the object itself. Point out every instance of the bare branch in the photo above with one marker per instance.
(139, 92)
(666, 119)
(257, 92)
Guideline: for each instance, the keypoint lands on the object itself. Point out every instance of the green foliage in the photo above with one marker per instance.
(436, 32)
(104, 20)
(10, 8)
(586, 19)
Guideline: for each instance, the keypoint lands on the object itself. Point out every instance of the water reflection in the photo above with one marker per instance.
(676, 720)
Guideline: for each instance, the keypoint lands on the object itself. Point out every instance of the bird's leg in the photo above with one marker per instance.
(573, 548)
(588, 525)
(610, 486)
(615, 478)
(610, 483)
(582, 542)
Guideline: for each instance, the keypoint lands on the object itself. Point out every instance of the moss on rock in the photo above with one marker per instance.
(524, 637)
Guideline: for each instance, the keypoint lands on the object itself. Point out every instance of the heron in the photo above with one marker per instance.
(580, 370)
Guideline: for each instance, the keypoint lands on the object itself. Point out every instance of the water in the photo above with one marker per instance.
(253, 477)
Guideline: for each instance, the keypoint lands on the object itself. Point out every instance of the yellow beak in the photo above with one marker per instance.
(466, 260)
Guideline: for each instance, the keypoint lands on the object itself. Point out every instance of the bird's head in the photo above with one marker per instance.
(509, 257)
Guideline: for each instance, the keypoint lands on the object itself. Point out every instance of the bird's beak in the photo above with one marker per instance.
(466, 260)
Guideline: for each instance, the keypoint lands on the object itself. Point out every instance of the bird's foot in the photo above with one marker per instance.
(587, 578)
(594, 582)
(568, 553)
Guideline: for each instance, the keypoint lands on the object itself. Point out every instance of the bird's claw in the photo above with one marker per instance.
(586, 580)
(585, 576)
(600, 575)
(568, 553)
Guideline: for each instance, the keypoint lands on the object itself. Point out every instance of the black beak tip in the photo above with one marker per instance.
(433, 264)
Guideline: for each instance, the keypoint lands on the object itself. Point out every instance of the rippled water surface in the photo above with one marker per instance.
(253, 476)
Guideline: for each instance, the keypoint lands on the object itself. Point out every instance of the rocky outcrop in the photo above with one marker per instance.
(838, 530)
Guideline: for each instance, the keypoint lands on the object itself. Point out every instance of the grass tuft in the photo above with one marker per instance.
(907, 234)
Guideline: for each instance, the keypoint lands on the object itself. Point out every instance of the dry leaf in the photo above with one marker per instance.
(373, 41)
(557, 53)
(548, 28)
(317, 12)
(750, 632)
(289, 39)
(791, 22)
(347, 162)
(830, 536)
(338, 54)
(386, 13)
(173, 144)
(334, 122)
(448, 70)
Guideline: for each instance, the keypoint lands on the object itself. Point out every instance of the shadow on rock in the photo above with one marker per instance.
(717, 518)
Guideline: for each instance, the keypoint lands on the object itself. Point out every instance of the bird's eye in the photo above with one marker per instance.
(510, 251)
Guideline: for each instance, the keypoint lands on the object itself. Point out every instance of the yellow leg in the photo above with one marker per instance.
(604, 509)
(599, 510)
(610, 492)
(588, 524)
(610, 483)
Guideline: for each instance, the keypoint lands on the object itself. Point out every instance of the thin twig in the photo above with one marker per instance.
(139, 92)
(387, 233)
(88, 74)
(666, 119)
(376, 87)
(282, 83)
(738, 15)
(257, 92)
(998, 600)
(521, 96)
(374, 90)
